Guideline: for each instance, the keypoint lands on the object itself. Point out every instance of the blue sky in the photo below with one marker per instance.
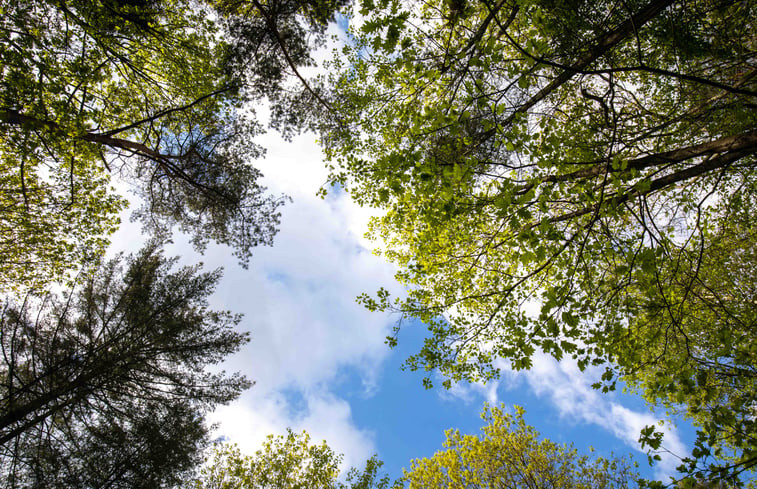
(319, 359)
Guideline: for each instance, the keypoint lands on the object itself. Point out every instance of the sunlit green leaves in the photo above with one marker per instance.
(284, 462)
(558, 177)
(509, 453)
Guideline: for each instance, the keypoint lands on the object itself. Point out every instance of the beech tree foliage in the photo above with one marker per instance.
(158, 95)
(106, 386)
(284, 462)
(510, 454)
(576, 177)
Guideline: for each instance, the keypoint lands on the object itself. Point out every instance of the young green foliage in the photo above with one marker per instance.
(284, 462)
(510, 454)
(572, 177)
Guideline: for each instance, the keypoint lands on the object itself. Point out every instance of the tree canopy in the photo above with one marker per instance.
(106, 386)
(284, 462)
(576, 177)
(509, 454)
(158, 96)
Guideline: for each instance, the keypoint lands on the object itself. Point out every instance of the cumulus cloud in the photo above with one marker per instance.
(569, 391)
(298, 301)
(324, 417)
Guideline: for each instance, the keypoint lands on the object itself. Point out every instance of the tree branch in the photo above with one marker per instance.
(165, 112)
(275, 30)
(740, 142)
(600, 48)
(13, 117)
(708, 165)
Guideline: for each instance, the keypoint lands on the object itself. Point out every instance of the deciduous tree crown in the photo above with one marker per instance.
(576, 177)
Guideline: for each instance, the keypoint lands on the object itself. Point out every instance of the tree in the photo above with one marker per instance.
(510, 454)
(575, 177)
(156, 95)
(107, 385)
(157, 445)
(284, 462)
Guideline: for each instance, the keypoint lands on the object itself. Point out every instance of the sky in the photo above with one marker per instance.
(319, 361)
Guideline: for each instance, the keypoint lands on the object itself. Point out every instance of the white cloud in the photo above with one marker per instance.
(324, 417)
(298, 297)
(469, 392)
(298, 301)
(329, 419)
(569, 391)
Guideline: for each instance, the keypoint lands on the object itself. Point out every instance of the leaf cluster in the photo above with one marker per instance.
(285, 462)
(569, 177)
(509, 453)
